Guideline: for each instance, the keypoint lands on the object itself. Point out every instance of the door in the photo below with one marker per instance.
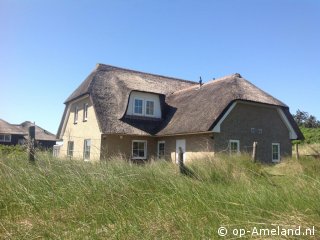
(181, 143)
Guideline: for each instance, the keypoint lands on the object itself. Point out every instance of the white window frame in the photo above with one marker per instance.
(145, 149)
(85, 149)
(85, 112)
(153, 112)
(70, 150)
(164, 150)
(238, 146)
(134, 104)
(279, 153)
(76, 115)
(3, 137)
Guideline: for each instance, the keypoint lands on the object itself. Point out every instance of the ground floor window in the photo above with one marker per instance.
(86, 149)
(139, 149)
(234, 146)
(5, 138)
(70, 149)
(275, 152)
(161, 149)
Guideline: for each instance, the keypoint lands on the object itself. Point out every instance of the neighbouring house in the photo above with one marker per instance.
(17, 134)
(139, 116)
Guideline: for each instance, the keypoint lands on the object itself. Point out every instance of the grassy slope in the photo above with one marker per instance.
(75, 200)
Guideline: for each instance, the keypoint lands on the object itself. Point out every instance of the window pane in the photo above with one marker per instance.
(7, 138)
(138, 106)
(150, 108)
(1, 137)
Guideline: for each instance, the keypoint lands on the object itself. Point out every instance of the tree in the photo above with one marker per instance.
(303, 119)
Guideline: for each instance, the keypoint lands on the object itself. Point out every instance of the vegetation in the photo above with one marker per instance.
(63, 199)
(306, 120)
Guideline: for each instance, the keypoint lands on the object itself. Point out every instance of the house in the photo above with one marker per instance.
(13, 134)
(139, 116)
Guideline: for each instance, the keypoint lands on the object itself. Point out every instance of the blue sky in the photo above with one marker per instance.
(47, 48)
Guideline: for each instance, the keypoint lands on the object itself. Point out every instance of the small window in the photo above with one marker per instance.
(161, 149)
(85, 112)
(150, 108)
(70, 149)
(86, 149)
(253, 130)
(139, 149)
(5, 138)
(234, 146)
(275, 152)
(260, 131)
(76, 113)
(138, 106)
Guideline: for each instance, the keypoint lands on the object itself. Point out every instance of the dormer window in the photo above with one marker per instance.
(144, 104)
(138, 106)
(149, 108)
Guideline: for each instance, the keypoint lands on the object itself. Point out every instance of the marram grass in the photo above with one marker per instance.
(63, 199)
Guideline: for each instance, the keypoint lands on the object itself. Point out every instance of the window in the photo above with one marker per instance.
(86, 149)
(5, 138)
(76, 112)
(275, 152)
(150, 108)
(70, 149)
(161, 149)
(138, 106)
(253, 130)
(85, 112)
(139, 149)
(234, 146)
(260, 131)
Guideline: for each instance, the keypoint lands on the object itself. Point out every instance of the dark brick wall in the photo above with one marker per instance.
(238, 124)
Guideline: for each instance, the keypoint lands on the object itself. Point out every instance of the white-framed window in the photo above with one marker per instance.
(70, 148)
(76, 114)
(85, 111)
(260, 131)
(149, 108)
(275, 152)
(161, 149)
(139, 149)
(234, 146)
(5, 138)
(138, 106)
(253, 130)
(86, 149)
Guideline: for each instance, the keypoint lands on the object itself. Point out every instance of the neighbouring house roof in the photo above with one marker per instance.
(188, 108)
(23, 129)
(7, 128)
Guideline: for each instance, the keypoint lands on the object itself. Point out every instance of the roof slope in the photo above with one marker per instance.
(204, 105)
(110, 88)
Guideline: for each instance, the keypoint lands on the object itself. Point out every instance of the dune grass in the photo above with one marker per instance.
(63, 199)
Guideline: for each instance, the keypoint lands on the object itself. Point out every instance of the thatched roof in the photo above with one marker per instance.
(204, 105)
(23, 129)
(109, 88)
(186, 107)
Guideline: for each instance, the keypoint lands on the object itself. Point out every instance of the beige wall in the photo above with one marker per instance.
(121, 145)
(82, 130)
(238, 124)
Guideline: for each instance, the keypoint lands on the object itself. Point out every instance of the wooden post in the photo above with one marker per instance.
(180, 160)
(32, 134)
(297, 151)
(254, 151)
